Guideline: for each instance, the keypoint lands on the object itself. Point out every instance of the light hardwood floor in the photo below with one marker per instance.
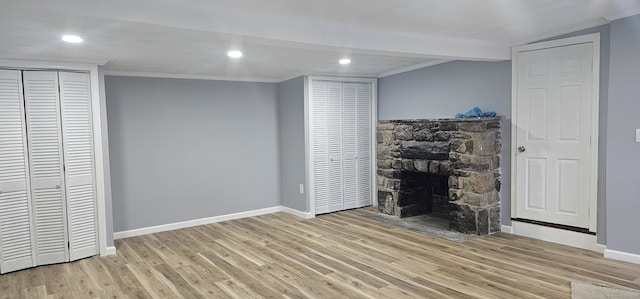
(339, 255)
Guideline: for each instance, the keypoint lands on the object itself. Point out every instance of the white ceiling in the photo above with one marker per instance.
(282, 39)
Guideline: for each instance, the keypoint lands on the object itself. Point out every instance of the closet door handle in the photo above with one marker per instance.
(57, 186)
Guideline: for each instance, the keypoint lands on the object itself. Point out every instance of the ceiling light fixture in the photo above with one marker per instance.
(234, 54)
(72, 39)
(344, 61)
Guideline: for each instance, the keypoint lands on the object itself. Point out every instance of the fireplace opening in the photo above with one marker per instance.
(424, 193)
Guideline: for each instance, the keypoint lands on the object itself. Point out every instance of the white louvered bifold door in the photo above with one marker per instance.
(45, 156)
(319, 146)
(350, 144)
(75, 96)
(341, 115)
(365, 131)
(334, 104)
(16, 231)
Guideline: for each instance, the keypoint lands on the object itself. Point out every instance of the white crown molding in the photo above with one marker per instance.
(287, 78)
(624, 14)
(52, 60)
(351, 75)
(42, 64)
(563, 31)
(187, 76)
(208, 220)
(622, 256)
(413, 67)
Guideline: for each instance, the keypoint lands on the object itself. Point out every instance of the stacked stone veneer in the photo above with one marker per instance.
(465, 150)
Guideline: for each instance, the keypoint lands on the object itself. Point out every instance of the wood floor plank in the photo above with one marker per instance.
(56, 279)
(37, 292)
(237, 290)
(351, 271)
(336, 255)
(81, 282)
(125, 281)
(151, 280)
(202, 283)
(574, 272)
(166, 247)
(286, 289)
(181, 285)
(241, 275)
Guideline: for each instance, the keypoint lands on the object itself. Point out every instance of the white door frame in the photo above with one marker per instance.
(92, 69)
(308, 110)
(593, 188)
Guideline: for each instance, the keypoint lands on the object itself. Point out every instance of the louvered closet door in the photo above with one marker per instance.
(16, 247)
(350, 144)
(77, 135)
(334, 103)
(45, 156)
(319, 147)
(341, 117)
(365, 165)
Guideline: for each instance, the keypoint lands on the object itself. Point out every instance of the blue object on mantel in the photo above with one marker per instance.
(476, 112)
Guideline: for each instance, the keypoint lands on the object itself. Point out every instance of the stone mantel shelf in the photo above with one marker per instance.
(411, 121)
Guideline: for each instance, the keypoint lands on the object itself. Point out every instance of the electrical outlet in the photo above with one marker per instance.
(301, 188)
(637, 135)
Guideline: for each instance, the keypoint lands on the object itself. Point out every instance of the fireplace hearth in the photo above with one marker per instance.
(447, 167)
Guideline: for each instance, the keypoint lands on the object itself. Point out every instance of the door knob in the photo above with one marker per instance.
(57, 186)
(521, 149)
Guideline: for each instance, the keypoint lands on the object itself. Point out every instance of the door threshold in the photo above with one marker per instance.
(557, 235)
(555, 225)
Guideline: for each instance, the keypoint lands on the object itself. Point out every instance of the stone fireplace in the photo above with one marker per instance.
(447, 167)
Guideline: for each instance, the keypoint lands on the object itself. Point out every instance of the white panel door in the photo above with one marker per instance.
(554, 121)
(350, 145)
(365, 131)
(45, 155)
(16, 231)
(319, 146)
(334, 118)
(75, 96)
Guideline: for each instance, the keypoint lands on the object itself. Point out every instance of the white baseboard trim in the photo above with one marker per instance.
(301, 214)
(560, 236)
(111, 250)
(195, 222)
(506, 229)
(622, 256)
(202, 221)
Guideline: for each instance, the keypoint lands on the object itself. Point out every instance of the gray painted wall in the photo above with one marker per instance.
(105, 154)
(291, 95)
(623, 154)
(189, 149)
(443, 90)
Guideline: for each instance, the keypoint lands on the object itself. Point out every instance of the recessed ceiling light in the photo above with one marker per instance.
(344, 61)
(72, 39)
(234, 54)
